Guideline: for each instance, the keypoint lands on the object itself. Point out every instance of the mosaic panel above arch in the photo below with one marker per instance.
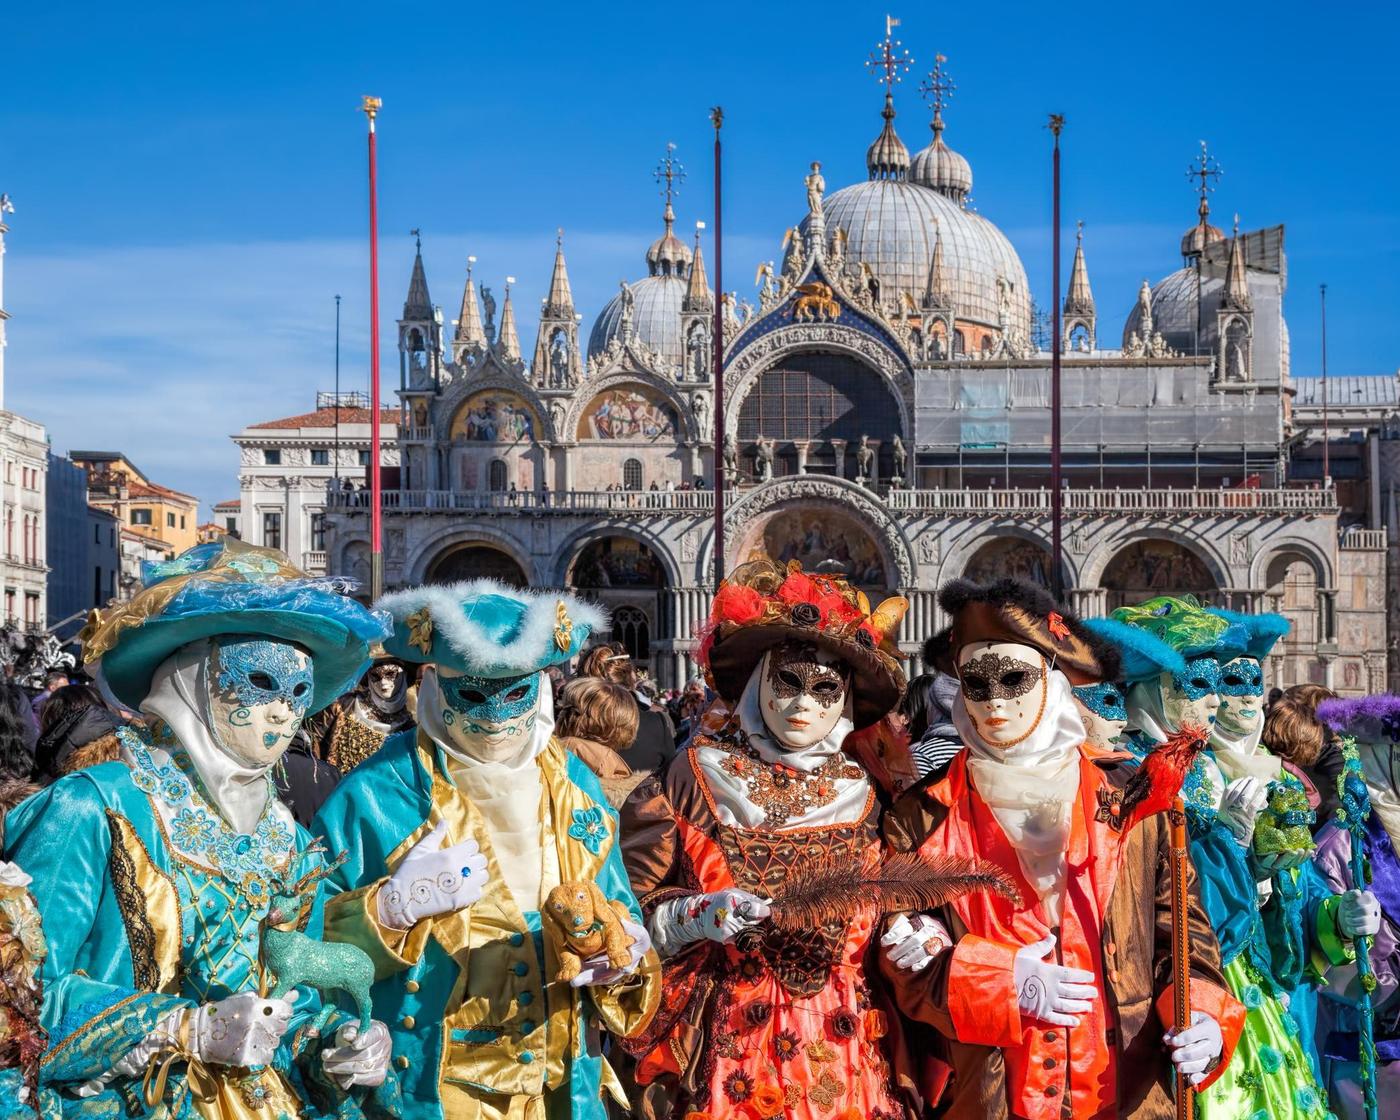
(1014, 557)
(632, 413)
(1157, 566)
(495, 416)
(821, 537)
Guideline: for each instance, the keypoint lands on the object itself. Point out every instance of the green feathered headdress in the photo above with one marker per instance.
(1180, 621)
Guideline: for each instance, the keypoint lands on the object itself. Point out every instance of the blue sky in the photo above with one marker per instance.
(189, 192)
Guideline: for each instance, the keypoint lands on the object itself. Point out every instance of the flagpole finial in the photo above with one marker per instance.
(370, 106)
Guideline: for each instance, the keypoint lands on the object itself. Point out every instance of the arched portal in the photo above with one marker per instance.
(823, 401)
(1153, 567)
(1010, 556)
(476, 561)
(1291, 586)
(823, 537)
(627, 577)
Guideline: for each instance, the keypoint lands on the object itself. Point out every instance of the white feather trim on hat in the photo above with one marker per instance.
(468, 639)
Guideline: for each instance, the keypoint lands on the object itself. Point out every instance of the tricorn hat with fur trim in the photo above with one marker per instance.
(1011, 610)
(763, 604)
(487, 629)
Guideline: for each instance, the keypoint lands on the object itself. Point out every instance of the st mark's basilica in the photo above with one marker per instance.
(887, 404)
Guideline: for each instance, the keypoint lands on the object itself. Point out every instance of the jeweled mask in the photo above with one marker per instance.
(1104, 709)
(802, 693)
(1192, 697)
(1241, 692)
(1004, 689)
(260, 690)
(490, 717)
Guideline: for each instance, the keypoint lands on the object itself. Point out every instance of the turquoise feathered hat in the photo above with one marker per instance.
(487, 629)
(1250, 635)
(1142, 655)
(228, 587)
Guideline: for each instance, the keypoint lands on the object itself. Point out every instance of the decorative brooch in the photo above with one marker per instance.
(563, 627)
(420, 630)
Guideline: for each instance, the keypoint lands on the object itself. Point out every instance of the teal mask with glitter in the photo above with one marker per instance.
(260, 690)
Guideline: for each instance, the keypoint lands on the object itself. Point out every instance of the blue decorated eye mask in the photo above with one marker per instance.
(256, 671)
(1107, 700)
(1202, 677)
(491, 700)
(1243, 676)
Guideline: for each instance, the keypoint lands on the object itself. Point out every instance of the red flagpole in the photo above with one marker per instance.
(717, 119)
(1057, 582)
(370, 107)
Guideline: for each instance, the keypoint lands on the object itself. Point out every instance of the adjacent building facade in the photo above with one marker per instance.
(888, 412)
(289, 468)
(84, 548)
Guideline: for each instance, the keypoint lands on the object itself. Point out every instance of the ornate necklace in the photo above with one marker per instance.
(783, 792)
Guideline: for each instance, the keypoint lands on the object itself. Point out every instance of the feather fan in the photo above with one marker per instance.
(832, 892)
(1158, 780)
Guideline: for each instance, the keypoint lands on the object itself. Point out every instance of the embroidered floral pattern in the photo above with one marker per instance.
(738, 1087)
(196, 828)
(785, 1046)
(781, 791)
(590, 828)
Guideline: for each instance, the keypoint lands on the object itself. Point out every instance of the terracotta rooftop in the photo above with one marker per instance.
(155, 490)
(229, 503)
(325, 418)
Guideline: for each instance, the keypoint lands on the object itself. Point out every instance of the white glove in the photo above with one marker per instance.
(1241, 802)
(719, 916)
(242, 1030)
(358, 1061)
(432, 880)
(597, 973)
(1051, 992)
(1359, 915)
(1195, 1048)
(911, 943)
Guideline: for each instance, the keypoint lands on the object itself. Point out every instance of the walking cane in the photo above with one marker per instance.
(1353, 811)
(1181, 947)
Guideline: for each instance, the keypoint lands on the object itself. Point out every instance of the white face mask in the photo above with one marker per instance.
(259, 691)
(1103, 733)
(1241, 697)
(384, 680)
(1004, 689)
(802, 694)
(489, 718)
(1192, 699)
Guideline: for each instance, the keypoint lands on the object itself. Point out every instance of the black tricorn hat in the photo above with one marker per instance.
(1011, 610)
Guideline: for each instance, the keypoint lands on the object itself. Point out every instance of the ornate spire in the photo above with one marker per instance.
(508, 341)
(888, 158)
(668, 255)
(938, 167)
(937, 90)
(697, 291)
(1080, 300)
(1236, 296)
(418, 305)
(1206, 169)
(935, 291)
(469, 319)
(560, 301)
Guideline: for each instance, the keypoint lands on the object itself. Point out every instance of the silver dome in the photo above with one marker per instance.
(1174, 313)
(889, 225)
(656, 318)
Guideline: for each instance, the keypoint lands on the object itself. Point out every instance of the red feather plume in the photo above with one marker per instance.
(1157, 782)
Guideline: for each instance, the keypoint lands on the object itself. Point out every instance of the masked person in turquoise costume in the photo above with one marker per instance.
(1249, 837)
(154, 874)
(1103, 706)
(483, 1027)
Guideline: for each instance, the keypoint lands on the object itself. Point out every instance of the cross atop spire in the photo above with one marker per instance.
(937, 89)
(671, 174)
(417, 235)
(890, 59)
(1205, 168)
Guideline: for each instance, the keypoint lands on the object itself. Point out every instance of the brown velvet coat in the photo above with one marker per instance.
(1133, 946)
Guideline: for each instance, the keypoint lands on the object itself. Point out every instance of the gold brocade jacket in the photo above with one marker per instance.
(480, 1028)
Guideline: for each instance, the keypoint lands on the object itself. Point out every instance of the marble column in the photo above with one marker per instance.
(839, 447)
(801, 446)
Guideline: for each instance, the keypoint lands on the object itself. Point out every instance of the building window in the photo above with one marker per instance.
(364, 456)
(272, 457)
(9, 604)
(97, 534)
(230, 524)
(318, 532)
(140, 517)
(497, 479)
(320, 457)
(272, 530)
(97, 586)
(170, 521)
(31, 609)
(182, 521)
(632, 474)
(631, 628)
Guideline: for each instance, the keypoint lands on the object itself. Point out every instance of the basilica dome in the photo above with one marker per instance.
(656, 301)
(1174, 312)
(891, 221)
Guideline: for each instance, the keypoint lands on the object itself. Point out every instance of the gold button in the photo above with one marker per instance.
(412, 985)
(401, 1061)
(408, 1022)
(1113, 975)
